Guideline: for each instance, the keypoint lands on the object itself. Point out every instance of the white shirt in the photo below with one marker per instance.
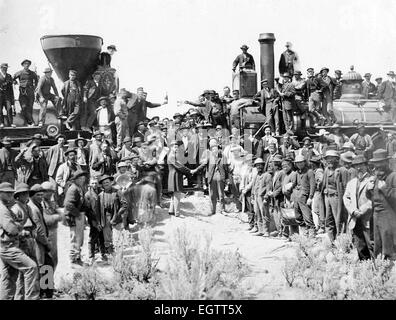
(103, 117)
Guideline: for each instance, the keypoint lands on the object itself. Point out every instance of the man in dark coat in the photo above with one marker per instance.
(34, 168)
(245, 60)
(368, 88)
(91, 94)
(7, 162)
(7, 99)
(105, 57)
(216, 173)
(287, 94)
(288, 60)
(43, 93)
(337, 92)
(382, 191)
(72, 99)
(27, 85)
(105, 161)
(75, 214)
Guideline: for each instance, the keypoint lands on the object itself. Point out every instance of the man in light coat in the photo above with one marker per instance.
(359, 209)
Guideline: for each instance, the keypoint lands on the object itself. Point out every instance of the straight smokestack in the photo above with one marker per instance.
(267, 57)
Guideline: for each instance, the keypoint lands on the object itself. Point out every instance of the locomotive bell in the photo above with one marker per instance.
(352, 85)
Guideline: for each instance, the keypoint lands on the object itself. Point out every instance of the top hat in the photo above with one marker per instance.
(380, 155)
(26, 60)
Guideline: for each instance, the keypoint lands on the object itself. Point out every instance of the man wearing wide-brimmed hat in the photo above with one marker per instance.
(303, 192)
(7, 161)
(337, 91)
(82, 152)
(333, 191)
(43, 94)
(7, 99)
(360, 209)
(75, 213)
(245, 60)
(13, 259)
(66, 170)
(27, 84)
(300, 86)
(382, 191)
(362, 141)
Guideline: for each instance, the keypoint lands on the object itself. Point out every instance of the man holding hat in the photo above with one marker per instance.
(56, 155)
(12, 259)
(362, 141)
(75, 215)
(303, 192)
(7, 99)
(245, 60)
(333, 191)
(43, 94)
(382, 192)
(360, 209)
(72, 99)
(288, 60)
(27, 84)
(386, 94)
(368, 88)
(7, 161)
(92, 91)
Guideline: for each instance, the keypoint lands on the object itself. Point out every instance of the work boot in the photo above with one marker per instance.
(274, 233)
(260, 229)
(254, 230)
(250, 227)
(266, 234)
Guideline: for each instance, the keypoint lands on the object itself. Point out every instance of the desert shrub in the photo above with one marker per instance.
(195, 271)
(332, 271)
(135, 274)
(86, 284)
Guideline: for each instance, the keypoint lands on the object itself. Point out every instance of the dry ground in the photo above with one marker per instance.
(263, 256)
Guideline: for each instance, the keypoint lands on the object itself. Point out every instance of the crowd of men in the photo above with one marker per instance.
(328, 184)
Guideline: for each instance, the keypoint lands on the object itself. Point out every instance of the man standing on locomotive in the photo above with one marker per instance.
(314, 96)
(72, 99)
(6, 95)
(43, 92)
(27, 84)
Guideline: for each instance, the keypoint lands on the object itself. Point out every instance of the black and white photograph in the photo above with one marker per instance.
(170, 151)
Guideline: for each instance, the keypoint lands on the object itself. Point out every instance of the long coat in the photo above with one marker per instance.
(6, 87)
(357, 200)
(54, 159)
(175, 175)
(74, 201)
(41, 231)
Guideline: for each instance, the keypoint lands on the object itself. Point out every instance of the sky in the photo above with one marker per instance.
(185, 47)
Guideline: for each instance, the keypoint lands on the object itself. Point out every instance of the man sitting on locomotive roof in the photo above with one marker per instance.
(245, 60)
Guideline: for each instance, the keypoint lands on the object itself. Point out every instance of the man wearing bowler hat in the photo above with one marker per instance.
(360, 209)
(7, 99)
(245, 60)
(382, 192)
(43, 94)
(12, 259)
(75, 214)
(72, 100)
(288, 60)
(27, 84)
